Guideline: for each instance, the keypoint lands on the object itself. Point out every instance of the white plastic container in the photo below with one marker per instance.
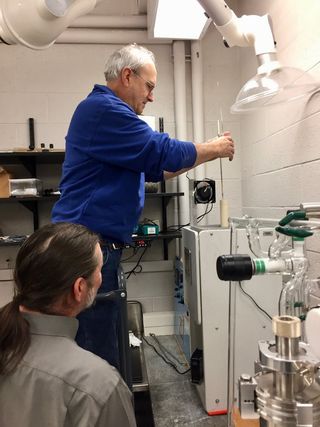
(25, 187)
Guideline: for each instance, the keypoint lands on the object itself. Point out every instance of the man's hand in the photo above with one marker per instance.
(215, 148)
(224, 146)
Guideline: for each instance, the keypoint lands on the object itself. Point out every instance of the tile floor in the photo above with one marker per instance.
(174, 399)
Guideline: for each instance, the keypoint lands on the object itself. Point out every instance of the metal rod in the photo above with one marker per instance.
(222, 192)
(220, 133)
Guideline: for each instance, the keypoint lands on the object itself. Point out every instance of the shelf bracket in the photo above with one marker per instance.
(29, 164)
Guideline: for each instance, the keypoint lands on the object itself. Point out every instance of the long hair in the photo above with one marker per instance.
(132, 56)
(47, 265)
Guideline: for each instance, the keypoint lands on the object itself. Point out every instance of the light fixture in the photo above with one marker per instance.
(273, 83)
(176, 19)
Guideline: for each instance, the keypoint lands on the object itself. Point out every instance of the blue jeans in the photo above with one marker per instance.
(99, 324)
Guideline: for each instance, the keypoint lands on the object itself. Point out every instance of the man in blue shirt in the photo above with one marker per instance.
(110, 153)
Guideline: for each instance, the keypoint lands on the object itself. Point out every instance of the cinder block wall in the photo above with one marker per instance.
(280, 147)
(47, 85)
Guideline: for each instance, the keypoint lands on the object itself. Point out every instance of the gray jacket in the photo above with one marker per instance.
(58, 384)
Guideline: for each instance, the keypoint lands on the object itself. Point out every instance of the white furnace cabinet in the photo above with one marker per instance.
(207, 298)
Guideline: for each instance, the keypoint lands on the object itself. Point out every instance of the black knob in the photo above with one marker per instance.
(234, 267)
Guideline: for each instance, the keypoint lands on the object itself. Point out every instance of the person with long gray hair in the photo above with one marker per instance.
(110, 153)
(46, 379)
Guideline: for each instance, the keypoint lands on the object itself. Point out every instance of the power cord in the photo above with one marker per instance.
(206, 212)
(168, 362)
(172, 227)
(135, 251)
(148, 221)
(254, 302)
(137, 268)
(199, 218)
(165, 350)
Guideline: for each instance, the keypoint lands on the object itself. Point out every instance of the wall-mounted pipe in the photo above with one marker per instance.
(101, 36)
(197, 106)
(197, 100)
(108, 22)
(180, 102)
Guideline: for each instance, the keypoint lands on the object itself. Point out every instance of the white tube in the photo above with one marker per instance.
(233, 32)
(105, 21)
(179, 73)
(180, 102)
(33, 25)
(249, 30)
(310, 207)
(197, 100)
(101, 36)
(224, 213)
(217, 10)
(197, 112)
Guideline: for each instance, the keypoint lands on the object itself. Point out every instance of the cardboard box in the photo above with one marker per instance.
(4, 183)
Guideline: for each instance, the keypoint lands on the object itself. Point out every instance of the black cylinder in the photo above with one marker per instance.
(31, 134)
(234, 267)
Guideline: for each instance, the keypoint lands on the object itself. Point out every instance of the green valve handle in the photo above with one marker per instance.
(294, 232)
(291, 216)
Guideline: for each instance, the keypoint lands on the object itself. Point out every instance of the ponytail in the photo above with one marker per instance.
(14, 336)
(47, 265)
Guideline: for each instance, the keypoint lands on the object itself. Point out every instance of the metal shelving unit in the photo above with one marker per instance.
(31, 159)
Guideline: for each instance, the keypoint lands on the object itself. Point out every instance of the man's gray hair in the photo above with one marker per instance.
(132, 56)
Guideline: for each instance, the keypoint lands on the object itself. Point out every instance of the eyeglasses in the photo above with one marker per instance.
(150, 86)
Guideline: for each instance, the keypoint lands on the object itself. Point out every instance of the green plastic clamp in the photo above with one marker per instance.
(294, 232)
(293, 215)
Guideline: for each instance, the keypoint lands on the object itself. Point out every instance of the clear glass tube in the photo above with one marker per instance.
(252, 230)
(278, 245)
(293, 294)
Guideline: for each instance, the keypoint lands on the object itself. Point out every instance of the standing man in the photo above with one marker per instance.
(110, 153)
(46, 379)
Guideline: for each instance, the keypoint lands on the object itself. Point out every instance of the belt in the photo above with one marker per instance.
(114, 246)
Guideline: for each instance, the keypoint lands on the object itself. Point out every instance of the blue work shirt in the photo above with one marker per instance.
(110, 152)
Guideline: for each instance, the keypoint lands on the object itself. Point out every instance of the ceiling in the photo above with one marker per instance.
(120, 7)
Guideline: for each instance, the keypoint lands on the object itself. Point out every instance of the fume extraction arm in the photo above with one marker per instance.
(273, 83)
(37, 23)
